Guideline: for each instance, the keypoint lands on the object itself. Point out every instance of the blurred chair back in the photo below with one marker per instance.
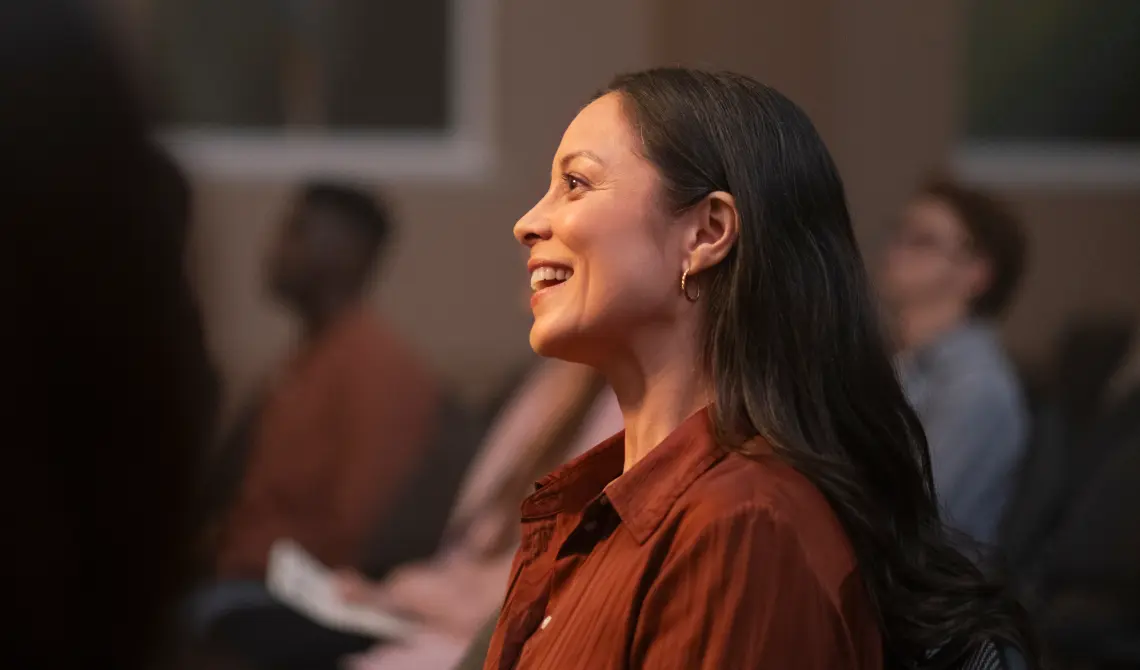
(224, 466)
(1088, 353)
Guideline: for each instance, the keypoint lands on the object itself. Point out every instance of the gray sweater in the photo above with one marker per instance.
(968, 398)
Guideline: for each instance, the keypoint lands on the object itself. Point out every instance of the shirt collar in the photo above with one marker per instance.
(643, 496)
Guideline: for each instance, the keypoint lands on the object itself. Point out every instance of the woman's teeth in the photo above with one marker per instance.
(548, 276)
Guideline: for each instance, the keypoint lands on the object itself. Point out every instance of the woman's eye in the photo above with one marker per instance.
(573, 183)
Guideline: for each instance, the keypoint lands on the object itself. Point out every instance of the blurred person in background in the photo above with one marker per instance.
(559, 411)
(345, 421)
(951, 268)
(112, 394)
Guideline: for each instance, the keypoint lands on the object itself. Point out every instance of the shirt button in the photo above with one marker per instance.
(589, 526)
(545, 623)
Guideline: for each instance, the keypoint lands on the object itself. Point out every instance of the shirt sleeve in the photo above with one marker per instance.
(741, 595)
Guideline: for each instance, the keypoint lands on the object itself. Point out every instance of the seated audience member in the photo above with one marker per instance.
(111, 392)
(559, 411)
(951, 268)
(346, 419)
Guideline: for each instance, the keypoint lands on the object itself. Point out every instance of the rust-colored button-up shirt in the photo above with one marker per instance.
(697, 558)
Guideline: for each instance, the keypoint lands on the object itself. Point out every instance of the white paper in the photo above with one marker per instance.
(300, 581)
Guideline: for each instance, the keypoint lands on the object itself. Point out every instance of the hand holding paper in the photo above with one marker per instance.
(302, 582)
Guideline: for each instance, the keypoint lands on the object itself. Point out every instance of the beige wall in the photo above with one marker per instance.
(1084, 259)
(879, 78)
(882, 82)
(455, 285)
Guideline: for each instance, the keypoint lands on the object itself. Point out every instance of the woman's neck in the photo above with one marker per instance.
(657, 387)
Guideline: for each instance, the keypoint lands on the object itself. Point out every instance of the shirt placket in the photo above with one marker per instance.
(577, 536)
(528, 592)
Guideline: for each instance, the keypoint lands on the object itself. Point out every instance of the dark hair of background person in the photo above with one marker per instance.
(360, 210)
(357, 207)
(794, 343)
(111, 394)
(994, 234)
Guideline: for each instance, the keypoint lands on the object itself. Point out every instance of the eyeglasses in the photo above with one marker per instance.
(924, 242)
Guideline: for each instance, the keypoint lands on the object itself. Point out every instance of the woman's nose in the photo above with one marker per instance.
(533, 227)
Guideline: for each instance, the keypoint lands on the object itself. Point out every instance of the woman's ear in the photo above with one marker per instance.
(714, 225)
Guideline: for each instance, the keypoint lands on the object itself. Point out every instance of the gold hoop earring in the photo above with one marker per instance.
(685, 289)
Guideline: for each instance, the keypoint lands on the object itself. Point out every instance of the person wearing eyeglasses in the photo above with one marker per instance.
(950, 270)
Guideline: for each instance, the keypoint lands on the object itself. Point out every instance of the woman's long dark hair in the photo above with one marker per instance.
(797, 353)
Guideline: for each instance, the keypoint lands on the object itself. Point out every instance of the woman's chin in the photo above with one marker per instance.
(543, 344)
(551, 343)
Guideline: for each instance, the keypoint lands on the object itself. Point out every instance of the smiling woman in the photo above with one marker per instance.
(769, 504)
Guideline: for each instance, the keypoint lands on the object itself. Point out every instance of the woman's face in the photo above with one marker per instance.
(605, 256)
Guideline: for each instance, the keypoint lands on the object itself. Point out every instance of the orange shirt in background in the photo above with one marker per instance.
(345, 425)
